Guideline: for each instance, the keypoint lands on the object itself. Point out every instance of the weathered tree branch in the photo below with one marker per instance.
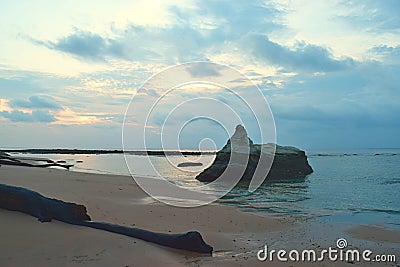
(45, 209)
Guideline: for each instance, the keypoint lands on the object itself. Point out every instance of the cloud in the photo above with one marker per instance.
(209, 25)
(135, 43)
(35, 116)
(353, 108)
(199, 70)
(386, 50)
(303, 56)
(389, 55)
(36, 101)
(85, 44)
(373, 16)
(90, 46)
(232, 19)
(19, 84)
(317, 97)
(43, 116)
(22, 84)
(187, 42)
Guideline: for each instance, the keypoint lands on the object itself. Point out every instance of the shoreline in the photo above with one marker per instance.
(236, 235)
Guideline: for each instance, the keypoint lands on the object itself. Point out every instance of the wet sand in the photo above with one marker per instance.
(235, 235)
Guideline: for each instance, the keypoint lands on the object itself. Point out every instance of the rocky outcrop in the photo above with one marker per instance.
(288, 162)
(46, 209)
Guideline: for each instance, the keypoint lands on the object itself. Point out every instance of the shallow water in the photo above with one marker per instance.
(359, 186)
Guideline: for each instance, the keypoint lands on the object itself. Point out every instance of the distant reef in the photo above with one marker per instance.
(289, 163)
(106, 151)
(7, 159)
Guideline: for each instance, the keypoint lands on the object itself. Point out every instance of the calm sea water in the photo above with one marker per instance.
(359, 185)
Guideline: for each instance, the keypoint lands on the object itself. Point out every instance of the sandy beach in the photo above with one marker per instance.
(235, 235)
(279, 119)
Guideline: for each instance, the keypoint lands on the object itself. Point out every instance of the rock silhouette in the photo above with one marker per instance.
(240, 152)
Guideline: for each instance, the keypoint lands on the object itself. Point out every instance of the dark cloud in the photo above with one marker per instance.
(94, 47)
(150, 92)
(35, 116)
(36, 101)
(178, 43)
(200, 69)
(85, 44)
(42, 116)
(17, 116)
(304, 56)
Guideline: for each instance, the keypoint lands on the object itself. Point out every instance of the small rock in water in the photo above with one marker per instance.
(190, 164)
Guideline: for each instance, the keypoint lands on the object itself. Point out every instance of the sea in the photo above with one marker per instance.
(360, 186)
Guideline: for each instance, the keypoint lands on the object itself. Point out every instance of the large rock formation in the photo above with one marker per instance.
(288, 162)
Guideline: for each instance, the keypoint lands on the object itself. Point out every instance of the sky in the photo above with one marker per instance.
(328, 69)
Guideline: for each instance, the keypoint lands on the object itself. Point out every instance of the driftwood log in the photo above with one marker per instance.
(45, 209)
(191, 241)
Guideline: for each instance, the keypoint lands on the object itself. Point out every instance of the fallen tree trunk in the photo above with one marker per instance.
(45, 209)
(191, 241)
